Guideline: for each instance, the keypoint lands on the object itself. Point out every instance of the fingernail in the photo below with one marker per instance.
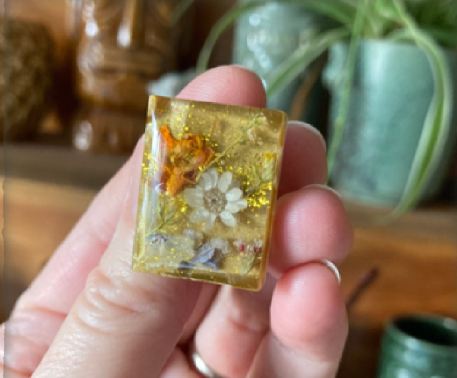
(310, 128)
(325, 187)
(333, 268)
(241, 66)
(136, 161)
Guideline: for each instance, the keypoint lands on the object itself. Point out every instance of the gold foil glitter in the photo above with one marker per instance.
(208, 190)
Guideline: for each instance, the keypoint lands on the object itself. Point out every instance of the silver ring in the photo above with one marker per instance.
(333, 268)
(199, 364)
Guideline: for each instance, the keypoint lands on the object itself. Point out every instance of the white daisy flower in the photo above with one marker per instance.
(214, 197)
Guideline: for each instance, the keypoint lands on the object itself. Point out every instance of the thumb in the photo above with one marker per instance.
(124, 323)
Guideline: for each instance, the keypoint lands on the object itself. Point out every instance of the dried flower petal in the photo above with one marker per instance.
(183, 159)
(258, 244)
(239, 244)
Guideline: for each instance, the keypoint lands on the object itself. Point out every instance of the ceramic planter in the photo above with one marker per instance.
(391, 93)
(268, 35)
(419, 346)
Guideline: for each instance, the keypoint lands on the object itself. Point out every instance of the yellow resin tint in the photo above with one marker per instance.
(207, 192)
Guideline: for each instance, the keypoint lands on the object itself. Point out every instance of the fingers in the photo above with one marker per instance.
(207, 295)
(178, 366)
(64, 277)
(113, 293)
(44, 306)
(42, 309)
(238, 320)
(304, 161)
(308, 327)
(304, 152)
(310, 224)
(229, 85)
(236, 323)
(124, 323)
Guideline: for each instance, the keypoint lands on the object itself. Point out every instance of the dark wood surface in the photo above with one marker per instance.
(417, 262)
(416, 258)
(58, 164)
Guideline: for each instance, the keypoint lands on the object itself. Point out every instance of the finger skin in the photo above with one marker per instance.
(42, 309)
(54, 292)
(64, 277)
(236, 323)
(305, 152)
(178, 367)
(205, 300)
(229, 85)
(124, 323)
(308, 327)
(311, 224)
(236, 99)
(304, 162)
(7, 373)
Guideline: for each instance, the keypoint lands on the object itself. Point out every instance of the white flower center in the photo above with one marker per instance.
(214, 201)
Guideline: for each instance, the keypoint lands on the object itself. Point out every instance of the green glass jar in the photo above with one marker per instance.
(419, 346)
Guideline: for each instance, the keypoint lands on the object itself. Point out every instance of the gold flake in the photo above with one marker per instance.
(175, 236)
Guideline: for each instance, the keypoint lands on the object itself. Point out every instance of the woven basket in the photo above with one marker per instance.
(26, 77)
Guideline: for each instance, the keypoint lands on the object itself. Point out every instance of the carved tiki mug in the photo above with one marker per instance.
(123, 45)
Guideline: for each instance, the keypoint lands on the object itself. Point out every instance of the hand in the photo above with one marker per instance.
(89, 315)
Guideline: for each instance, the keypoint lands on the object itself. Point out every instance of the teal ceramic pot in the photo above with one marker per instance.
(268, 35)
(420, 346)
(391, 93)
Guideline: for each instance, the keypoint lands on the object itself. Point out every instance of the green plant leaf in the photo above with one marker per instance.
(437, 125)
(180, 9)
(443, 36)
(437, 18)
(342, 11)
(381, 19)
(345, 97)
(301, 58)
(222, 25)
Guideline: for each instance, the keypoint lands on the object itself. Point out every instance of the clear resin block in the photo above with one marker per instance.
(208, 190)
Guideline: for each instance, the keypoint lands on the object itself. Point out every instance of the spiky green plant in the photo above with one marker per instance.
(429, 24)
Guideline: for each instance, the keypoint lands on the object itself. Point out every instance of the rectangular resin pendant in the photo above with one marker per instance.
(208, 190)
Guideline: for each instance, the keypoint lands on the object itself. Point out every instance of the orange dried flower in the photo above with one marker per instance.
(183, 159)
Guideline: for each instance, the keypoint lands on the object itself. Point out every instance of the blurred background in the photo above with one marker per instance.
(380, 84)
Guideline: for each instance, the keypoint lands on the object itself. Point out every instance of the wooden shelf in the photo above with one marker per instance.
(59, 165)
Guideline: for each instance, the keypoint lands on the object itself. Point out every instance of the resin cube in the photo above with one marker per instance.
(208, 190)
